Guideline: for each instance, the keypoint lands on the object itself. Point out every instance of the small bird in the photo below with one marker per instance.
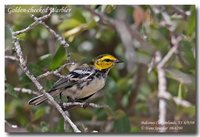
(82, 82)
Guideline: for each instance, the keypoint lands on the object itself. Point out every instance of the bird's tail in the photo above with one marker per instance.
(41, 98)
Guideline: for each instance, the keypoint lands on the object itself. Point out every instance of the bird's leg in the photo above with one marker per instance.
(61, 101)
(70, 99)
(86, 104)
(69, 107)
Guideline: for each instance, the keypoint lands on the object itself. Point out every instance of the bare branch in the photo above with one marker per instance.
(57, 36)
(103, 19)
(90, 123)
(55, 72)
(12, 58)
(180, 11)
(11, 128)
(25, 90)
(114, 23)
(32, 25)
(181, 102)
(162, 83)
(177, 100)
(175, 42)
(23, 66)
(83, 105)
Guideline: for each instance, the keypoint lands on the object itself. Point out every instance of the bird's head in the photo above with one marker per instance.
(105, 61)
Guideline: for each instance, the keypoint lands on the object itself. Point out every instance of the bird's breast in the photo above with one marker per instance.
(85, 89)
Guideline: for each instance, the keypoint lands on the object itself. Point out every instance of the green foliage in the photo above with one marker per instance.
(131, 96)
(180, 76)
(45, 61)
(68, 24)
(191, 111)
(10, 90)
(122, 123)
(8, 38)
(191, 28)
(58, 58)
(40, 112)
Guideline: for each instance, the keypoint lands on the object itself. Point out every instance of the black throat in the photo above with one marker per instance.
(103, 72)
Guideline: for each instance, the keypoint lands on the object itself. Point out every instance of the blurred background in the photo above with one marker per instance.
(133, 34)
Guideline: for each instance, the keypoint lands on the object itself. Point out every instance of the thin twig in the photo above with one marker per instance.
(91, 123)
(103, 19)
(23, 66)
(114, 23)
(57, 36)
(55, 72)
(180, 11)
(25, 90)
(11, 58)
(68, 104)
(32, 25)
(177, 100)
(175, 42)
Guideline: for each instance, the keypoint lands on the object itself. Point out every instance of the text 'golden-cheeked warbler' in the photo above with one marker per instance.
(82, 82)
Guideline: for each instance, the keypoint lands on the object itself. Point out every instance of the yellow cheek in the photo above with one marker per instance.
(107, 65)
(103, 65)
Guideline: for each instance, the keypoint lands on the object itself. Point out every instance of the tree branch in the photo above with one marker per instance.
(55, 72)
(83, 104)
(25, 90)
(180, 11)
(162, 83)
(175, 42)
(114, 23)
(23, 66)
(11, 58)
(177, 100)
(31, 26)
(57, 36)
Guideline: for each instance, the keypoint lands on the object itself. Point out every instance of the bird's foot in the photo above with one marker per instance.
(86, 104)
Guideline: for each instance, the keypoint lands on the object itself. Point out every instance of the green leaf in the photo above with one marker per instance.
(21, 36)
(180, 91)
(91, 24)
(45, 61)
(39, 113)
(8, 38)
(59, 127)
(78, 15)
(69, 24)
(191, 28)
(35, 69)
(122, 123)
(10, 90)
(58, 58)
(187, 52)
(189, 110)
(180, 76)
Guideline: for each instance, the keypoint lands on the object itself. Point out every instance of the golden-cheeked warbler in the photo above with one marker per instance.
(82, 82)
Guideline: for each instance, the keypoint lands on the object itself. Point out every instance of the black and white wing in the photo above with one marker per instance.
(76, 76)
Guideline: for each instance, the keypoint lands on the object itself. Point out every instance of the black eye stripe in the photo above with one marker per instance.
(107, 60)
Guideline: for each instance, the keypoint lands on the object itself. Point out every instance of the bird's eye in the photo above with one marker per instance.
(107, 60)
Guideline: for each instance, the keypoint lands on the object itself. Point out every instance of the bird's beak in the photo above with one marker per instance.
(118, 61)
